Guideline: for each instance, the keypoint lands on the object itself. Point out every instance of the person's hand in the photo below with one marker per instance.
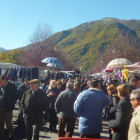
(112, 130)
(51, 94)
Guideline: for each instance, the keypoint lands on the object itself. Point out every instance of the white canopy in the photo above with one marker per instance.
(119, 63)
(9, 65)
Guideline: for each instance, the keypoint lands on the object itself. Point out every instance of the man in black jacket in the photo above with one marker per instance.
(134, 83)
(8, 98)
(65, 112)
(34, 101)
(21, 89)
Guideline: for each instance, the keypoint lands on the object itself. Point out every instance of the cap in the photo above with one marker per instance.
(36, 81)
(27, 78)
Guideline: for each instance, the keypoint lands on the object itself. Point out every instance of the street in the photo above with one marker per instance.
(21, 134)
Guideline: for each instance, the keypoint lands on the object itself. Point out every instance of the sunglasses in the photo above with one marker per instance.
(133, 99)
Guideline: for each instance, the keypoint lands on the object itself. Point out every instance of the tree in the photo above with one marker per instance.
(126, 46)
(43, 46)
(39, 49)
(11, 57)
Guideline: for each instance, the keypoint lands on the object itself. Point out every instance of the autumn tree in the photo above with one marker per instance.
(126, 46)
(11, 57)
(44, 46)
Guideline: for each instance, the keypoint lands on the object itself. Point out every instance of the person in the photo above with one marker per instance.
(87, 86)
(75, 88)
(120, 124)
(63, 84)
(78, 81)
(47, 85)
(114, 99)
(89, 106)
(8, 98)
(134, 83)
(34, 101)
(103, 87)
(52, 94)
(65, 113)
(59, 85)
(21, 89)
(134, 127)
(45, 115)
(69, 80)
(83, 85)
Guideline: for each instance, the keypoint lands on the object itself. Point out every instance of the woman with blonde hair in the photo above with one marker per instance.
(120, 124)
(52, 94)
(114, 99)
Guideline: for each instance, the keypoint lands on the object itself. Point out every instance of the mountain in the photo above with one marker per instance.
(84, 42)
(2, 49)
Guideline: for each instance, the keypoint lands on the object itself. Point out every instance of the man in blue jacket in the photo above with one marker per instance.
(89, 106)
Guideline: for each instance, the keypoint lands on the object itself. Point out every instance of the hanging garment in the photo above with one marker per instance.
(35, 73)
(14, 75)
(18, 71)
(5, 74)
(23, 74)
(28, 72)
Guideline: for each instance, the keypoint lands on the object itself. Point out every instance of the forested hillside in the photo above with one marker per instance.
(84, 43)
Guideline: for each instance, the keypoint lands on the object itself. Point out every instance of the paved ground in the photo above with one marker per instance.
(44, 135)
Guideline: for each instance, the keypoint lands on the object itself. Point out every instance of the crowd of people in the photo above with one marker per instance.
(61, 102)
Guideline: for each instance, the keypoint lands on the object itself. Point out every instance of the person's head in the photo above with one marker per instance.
(34, 84)
(111, 89)
(99, 84)
(77, 78)
(123, 90)
(69, 85)
(88, 82)
(63, 81)
(104, 83)
(75, 86)
(93, 84)
(26, 81)
(53, 84)
(3, 81)
(135, 81)
(59, 84)
(85, 81)
(135, 98)
(70, 80)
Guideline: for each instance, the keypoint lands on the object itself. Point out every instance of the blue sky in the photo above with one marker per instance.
(19, 18)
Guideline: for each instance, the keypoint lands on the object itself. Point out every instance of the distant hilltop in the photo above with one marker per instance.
(2, 49)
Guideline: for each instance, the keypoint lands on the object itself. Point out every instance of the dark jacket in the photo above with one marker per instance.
(1, 99)
(37, 105)
(82, 87)
(21, 89)
(10, 96)
(53, 98)
(86, 87)
(103, 87)
(131, 88)
(114, 99)
(123, 117)
(64, 104)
